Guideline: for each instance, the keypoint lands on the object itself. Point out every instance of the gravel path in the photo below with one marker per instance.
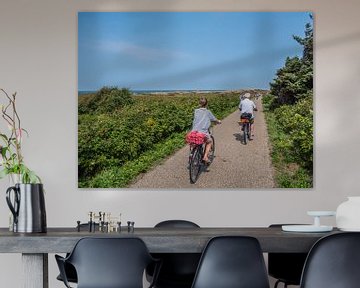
(235, 165)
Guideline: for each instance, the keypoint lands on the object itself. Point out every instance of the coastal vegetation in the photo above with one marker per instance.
(289, 115)
(121, 134)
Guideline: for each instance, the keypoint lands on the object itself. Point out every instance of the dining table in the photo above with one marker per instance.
(35, 247)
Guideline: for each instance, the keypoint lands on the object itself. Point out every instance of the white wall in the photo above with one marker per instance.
(38, 59)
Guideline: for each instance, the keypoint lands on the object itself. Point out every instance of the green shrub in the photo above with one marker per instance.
(296, 121)
(111, 138)
(267, 101)
(290, 130)
(289, 113)
(299, 178)
(107, 99)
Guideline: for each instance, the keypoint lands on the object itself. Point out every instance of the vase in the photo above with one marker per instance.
(27, 205)
(14, 179)
(348, 214)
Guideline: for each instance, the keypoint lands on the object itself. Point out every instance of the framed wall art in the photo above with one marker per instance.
(186, 100)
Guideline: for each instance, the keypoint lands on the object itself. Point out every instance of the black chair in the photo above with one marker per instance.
(333, 262)
(286, 267)
(69, 269)
(108, 262)
(232, 262)
(178, 269)
(176, 224)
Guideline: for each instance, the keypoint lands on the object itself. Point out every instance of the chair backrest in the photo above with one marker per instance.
(232, 262)
(176, 224)
(286, 267)
(178, 269)
(110, 262)
(333, 262)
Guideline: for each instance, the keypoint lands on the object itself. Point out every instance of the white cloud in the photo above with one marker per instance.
(140, 52)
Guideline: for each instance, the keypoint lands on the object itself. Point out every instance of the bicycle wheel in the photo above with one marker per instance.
(212, 150)
(195, 163)
(249, 132)
(245, 133)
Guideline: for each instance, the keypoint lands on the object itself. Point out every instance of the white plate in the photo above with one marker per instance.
(321, 213)
(350, 229)
(306, 228)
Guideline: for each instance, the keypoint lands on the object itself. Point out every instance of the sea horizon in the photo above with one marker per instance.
(162, 91)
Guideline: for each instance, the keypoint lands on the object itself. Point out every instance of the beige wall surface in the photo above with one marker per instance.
(38, 59)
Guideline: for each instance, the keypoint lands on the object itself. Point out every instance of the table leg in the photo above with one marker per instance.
(35, 270)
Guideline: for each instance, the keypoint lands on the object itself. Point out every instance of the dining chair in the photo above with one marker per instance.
(285, 267)
(69, 269)
(108, 263)
(232, 262)
(333, 262)
(178, 269)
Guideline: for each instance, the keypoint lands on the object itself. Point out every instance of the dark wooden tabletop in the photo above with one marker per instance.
(158, 240)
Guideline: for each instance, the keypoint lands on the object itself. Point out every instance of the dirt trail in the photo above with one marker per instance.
(235, 165)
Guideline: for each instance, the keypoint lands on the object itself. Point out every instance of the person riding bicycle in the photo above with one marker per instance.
(201, 124)
(247, 106)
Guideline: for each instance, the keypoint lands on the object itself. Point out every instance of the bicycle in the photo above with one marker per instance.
(197, 150)
(245, 122)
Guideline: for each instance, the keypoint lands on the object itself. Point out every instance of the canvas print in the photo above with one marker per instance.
(188, 100)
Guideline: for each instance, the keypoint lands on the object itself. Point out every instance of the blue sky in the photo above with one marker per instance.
(185, 50)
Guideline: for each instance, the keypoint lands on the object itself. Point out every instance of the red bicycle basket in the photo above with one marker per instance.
(195, 137)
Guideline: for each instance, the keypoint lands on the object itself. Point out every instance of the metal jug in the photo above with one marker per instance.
(28, 207)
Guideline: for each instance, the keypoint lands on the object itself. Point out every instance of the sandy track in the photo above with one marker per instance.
(235, 165)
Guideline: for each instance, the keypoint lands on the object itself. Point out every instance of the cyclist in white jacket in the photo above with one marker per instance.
(248, 106)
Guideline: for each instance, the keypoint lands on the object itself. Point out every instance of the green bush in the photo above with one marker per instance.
(267, 101)
(296, 121)
(107, 99)
(295, 179)
(290, 130)
(289, 113)
(114, 137)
